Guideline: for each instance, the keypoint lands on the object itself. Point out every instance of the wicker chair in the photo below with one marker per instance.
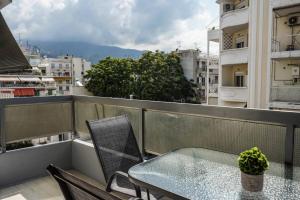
(117, 151)
(74, 188)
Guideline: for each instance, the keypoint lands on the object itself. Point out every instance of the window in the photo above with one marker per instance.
(52, 65)
(67, 66)
(240, 41)
(216, 79)
(67, 88)
(60, 88)
(240, 45)
(203, 81)
(67, 81)
(60, 66)
(239, 79)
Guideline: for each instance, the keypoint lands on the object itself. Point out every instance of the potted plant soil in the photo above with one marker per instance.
(253, 164)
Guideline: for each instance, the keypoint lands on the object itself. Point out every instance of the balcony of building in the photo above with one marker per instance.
(234, 13)
(213, 63)
(234, 46)
(234, 83)
(286, 33)
(229, 130)
(213, 34)
(285, 90)
(278, 4)
(213, 90)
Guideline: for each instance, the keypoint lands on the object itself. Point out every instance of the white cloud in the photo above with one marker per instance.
(142, 24)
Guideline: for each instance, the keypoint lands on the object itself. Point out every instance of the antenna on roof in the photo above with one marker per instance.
(178, 44)
(196, 45)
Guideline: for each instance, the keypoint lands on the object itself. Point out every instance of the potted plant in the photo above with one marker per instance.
(253, 164)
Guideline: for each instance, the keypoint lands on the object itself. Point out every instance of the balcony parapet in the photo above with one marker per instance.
(234, 94)
(234, 56)
(281, 3)
(213, 34)
(235, 18)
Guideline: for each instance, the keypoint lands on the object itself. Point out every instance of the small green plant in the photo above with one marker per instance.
(253, 161)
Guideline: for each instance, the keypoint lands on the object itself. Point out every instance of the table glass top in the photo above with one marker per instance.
(195, 173)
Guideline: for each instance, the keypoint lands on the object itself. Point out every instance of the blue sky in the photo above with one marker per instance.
(140, 24)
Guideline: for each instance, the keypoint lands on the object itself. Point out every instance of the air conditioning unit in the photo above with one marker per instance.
(294, 20)
(228, 7)
(296, 72)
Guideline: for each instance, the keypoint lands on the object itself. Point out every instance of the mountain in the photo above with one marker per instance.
(90, 52)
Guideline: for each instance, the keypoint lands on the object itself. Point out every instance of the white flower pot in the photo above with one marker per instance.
(252, 183)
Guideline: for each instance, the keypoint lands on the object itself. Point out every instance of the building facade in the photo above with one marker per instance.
(259, 59)
(213, 68)
(12, 86)
(67, 71)
(202, 70)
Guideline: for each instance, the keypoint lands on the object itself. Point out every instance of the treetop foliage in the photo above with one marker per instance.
(155, 76)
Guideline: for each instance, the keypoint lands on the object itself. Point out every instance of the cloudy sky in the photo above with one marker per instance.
(140, 24)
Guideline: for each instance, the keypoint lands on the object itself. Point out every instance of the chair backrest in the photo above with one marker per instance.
(115, 144)
(74, 188)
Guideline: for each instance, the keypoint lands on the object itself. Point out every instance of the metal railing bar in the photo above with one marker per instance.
(289, 144)
(2, 133)
(281, 117)
(34, 100)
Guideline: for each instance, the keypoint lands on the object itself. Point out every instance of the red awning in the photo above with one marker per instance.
(24, 92)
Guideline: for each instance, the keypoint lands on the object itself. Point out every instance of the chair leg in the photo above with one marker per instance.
(148, 194)
(138, 191)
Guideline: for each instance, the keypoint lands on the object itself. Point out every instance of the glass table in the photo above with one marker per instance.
(195, 173)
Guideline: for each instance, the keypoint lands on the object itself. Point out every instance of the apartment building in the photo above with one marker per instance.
(12, 86)
(67, 71)
(285, 55)
(202, 70)
(259, 59)
(212, 68)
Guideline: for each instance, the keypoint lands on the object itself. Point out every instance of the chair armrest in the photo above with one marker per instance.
(124, 175)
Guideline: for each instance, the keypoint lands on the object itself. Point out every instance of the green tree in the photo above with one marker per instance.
(155, 76)
(111, 77)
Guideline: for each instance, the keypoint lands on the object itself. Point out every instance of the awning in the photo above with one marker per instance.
(48, 79)
(12, 58)
(4, 3)
(30, 79)
(24, 92)
(9, 79)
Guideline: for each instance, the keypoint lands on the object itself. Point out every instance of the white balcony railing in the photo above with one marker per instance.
(234, 94)
(235, 18)
(282, 50)
(234, 56)
(213, 34)
(281, 3)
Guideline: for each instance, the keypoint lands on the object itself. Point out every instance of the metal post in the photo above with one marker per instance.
(74, 132)
(2, 132)
(141, 131)
(289, 144)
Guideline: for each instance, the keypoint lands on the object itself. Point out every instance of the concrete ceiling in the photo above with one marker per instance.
(287, 10)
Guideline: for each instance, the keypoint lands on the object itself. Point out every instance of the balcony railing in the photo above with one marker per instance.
(234, 56)
(229, 130)
(234, 94)
(291, 43)
(286, 94)
(235, 17)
